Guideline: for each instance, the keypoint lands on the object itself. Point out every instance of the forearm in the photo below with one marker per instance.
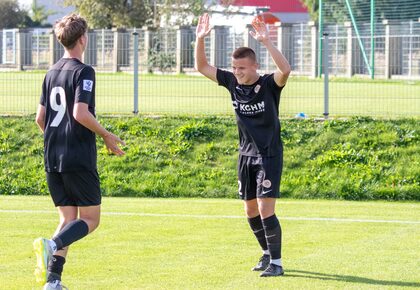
(41, 125)
(278, 58)
(200, 55)
(88, 120)
(40, 117)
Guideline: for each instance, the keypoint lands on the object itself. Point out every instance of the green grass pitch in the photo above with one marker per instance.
(185, 94)
(207, 244)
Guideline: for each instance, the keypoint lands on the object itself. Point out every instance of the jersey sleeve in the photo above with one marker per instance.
(273, 85)
(43, 98)
(225, 78)
(85, 87)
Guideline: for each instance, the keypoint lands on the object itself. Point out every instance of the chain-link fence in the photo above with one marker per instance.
(168, 83)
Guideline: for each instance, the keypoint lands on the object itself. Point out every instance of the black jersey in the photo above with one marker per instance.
(257, 114)
(68, 146)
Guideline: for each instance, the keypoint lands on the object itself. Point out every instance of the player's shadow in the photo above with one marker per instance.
(348, 278)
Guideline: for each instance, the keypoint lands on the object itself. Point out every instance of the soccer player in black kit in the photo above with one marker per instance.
(66, 115)
(255, 100)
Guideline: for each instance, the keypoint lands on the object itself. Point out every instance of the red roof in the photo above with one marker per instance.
(275, 5)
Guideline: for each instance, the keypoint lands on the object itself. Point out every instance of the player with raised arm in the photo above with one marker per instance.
(255, 99)
(66, 115)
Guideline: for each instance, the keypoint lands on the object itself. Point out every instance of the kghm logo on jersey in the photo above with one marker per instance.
(250, 109)
(87, 85)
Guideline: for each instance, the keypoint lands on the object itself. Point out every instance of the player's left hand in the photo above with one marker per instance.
(261, 32)
(112, 144)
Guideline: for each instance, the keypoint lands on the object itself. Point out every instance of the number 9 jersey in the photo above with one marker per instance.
(68, 146)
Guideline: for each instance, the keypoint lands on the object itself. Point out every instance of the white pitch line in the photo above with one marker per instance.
(221, 216)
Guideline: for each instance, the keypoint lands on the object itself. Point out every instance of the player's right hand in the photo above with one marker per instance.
(203, 27)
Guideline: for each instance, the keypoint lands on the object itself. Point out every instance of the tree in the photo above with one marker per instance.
(11, 16)
(179, 12)
(39, 15)
(137, 13)
(312, 6)
(384, 9)
(113, 13)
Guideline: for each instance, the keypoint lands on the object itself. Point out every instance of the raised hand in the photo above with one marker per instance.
(261, 31)
(203, 26)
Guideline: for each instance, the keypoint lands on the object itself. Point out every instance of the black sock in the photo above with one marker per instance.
(55, 268)
(71, 233)
(257, 228)
(272, 231)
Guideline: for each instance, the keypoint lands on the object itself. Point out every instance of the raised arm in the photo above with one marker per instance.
(201, 64)
(283, 66)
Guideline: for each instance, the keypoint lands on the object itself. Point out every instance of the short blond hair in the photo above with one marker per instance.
(69, 29)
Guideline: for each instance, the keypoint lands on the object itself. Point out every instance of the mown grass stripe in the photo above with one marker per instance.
(329, 219)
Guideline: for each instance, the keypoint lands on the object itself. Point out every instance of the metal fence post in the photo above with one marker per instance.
(136, 72)
(349, 50)
(326, 69)
(179, 49)
(115, 55)
(314, 39)
(20, 49)
(387, 49)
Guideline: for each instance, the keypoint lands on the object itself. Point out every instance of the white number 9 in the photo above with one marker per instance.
(61, 109)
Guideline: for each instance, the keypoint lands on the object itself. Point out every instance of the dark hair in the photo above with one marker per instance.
(69, 29)
(243, 52)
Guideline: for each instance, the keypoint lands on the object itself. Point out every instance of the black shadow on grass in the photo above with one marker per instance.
(346, 278)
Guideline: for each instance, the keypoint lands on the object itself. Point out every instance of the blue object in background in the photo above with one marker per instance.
(301, 115)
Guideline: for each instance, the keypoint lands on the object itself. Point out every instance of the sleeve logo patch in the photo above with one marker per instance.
(87, 85)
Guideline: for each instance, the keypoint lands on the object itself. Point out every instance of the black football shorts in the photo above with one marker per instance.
(78, 188)
(259, 177)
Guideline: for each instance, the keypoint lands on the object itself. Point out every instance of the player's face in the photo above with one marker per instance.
(245, 70)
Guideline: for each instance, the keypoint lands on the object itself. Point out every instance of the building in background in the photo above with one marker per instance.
(289, 11)
(241, 12)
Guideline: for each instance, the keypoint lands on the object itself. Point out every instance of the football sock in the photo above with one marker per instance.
(276, 262)
(272, 231)
(266, 252)
(52, 245)
(257, 228)
(71, 233)
(55, 268)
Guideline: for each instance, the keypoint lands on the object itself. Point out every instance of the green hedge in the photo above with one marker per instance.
(353, 159)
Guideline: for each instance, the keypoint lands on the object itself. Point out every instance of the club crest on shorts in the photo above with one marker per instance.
(257, 88)
(266, 183)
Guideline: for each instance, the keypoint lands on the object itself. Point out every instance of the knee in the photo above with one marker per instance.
(266, 207)
(65, 221)
(251, 211)
(92, 223)
(265, 213)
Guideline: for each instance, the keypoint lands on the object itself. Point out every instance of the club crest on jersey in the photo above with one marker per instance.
(87, 85)
(257, 89)
(235, 104)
